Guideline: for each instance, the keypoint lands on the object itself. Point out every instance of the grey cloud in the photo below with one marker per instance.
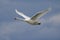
(8, 28)
(20, 31)
(54, 21)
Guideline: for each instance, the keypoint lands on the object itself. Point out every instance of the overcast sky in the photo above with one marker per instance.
(17, 30)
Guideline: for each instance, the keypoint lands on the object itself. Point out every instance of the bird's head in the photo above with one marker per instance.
(39, 23)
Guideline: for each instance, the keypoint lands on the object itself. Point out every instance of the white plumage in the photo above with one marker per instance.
(34, 19)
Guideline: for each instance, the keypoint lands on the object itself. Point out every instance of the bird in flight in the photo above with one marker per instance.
(34, 19)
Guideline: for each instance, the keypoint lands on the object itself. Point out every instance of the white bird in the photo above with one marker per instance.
(34, 19)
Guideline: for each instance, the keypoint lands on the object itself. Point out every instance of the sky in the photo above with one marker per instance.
(11, 29)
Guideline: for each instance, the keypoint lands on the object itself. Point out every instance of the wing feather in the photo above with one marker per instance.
(21, 14)
(40, 14)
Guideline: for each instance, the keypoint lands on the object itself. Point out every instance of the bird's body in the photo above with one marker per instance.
(33, 22)
(34, 19)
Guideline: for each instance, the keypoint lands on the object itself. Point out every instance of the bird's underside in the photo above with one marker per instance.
(33, 22)
(34, 19)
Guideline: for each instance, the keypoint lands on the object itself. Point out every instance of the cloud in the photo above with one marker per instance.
(7, 28)
(21, 31)
(54, 20)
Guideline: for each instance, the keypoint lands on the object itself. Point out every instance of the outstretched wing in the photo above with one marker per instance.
(40, 14)
(21, 14)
